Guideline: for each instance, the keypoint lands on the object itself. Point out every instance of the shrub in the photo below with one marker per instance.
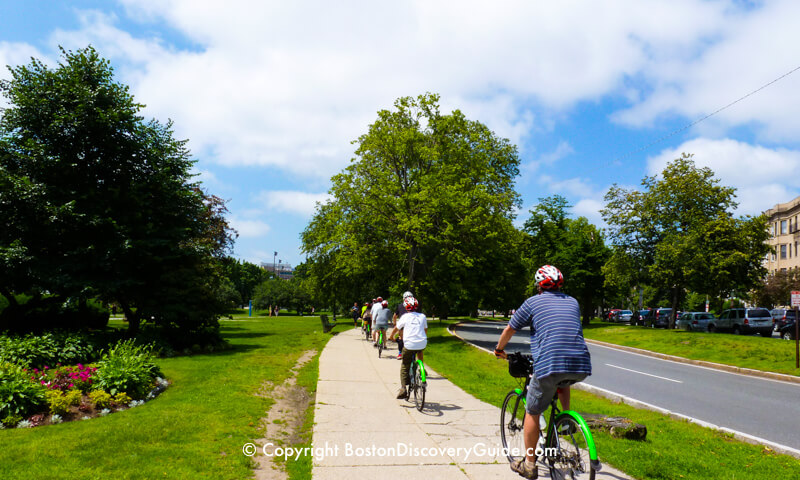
(19, 396)
(100, 399)
(122, 398)
(79, 376)
(47, 349)
(59, 403)
(129, 368)
(74, 396)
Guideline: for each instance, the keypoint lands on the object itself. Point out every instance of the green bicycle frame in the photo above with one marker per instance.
(578, 419)
(421, 370)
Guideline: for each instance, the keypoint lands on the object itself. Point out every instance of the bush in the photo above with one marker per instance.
(100, 399)
(122, 398)
(129, 368)
(48, 349)
(19, 396)
(59, 403)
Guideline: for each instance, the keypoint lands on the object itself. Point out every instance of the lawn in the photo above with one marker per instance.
(767, 354)
(196, 429)
(673, 449)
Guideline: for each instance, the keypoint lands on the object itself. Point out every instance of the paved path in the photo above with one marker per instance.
(356, 409)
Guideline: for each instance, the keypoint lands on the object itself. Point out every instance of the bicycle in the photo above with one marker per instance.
(367, 329)
(565, 445)
(381, 343)
(417, 383)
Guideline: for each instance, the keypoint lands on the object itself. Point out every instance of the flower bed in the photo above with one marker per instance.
(126, 376)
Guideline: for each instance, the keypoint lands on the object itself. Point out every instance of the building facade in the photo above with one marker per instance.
(784, 236)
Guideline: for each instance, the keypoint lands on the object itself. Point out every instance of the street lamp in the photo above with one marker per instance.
(273, 262)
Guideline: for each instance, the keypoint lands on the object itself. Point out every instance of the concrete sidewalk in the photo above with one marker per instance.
(360, 422)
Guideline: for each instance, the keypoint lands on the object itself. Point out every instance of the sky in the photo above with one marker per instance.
(271, 95)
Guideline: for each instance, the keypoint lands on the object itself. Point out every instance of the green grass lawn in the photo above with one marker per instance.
(767, 354)
(195, 429)
(673, 449)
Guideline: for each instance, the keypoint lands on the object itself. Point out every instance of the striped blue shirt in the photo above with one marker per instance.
(557, 341)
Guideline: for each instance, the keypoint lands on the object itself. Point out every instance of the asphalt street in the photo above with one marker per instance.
(764, 408)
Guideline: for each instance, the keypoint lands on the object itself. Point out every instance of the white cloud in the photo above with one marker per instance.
(267, 83)
(742, 54)
(301, 203)
(249, 228)
(762, 176)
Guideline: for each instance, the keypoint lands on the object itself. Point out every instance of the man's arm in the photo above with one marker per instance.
(504, 339)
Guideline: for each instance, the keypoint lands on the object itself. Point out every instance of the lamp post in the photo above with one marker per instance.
(273, 262)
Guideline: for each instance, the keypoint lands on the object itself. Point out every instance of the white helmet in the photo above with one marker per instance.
(408, 294)
(549, 277)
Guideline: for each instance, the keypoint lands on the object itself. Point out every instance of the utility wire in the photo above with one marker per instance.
(686, 127)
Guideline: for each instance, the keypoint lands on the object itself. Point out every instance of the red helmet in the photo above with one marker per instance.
(410, 303)
(384, 304)
(549, 277)
(379, 299)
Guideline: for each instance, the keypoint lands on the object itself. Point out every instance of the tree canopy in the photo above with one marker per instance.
(98, 202)
(426, 204)
(679, 233)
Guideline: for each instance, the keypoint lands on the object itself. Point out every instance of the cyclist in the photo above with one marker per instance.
(366, 315)
(374, 310)
(382, 322)
(560, 355)
(399, 311)
(414, 327)
(355, 312)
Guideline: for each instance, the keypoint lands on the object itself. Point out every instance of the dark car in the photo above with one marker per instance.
(744, 321)
(787, 331)
(781, 316)
(657, 318)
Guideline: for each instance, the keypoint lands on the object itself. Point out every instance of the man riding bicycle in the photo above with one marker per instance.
(414, 326)
(560, 354)
(382, 322)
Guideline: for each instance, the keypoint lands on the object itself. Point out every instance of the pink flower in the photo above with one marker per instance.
(70, 385)
(44, 383)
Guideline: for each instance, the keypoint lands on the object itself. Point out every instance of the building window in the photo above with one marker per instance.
(774, 256)
(783, 251)
(783, 227)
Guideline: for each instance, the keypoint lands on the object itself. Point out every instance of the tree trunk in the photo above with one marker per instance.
(133, 319)
(675, 299)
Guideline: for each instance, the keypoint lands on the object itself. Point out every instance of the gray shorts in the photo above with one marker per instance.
(541, 392)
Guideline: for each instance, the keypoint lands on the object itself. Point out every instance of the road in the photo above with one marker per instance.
(763, 408)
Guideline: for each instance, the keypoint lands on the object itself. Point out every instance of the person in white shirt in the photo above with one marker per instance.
(414, 328)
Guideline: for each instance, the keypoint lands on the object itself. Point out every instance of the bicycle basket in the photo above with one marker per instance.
(519, 365)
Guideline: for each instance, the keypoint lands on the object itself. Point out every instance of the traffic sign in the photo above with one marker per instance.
(795, 299)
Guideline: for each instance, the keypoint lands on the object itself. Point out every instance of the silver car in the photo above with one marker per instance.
(695, 321)
(623, 316)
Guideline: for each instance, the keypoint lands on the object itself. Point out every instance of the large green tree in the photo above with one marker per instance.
(678, 233)
(426, 205)
(573, 245)
(100, 202)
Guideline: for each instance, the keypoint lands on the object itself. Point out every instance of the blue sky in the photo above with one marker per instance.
(271, 94)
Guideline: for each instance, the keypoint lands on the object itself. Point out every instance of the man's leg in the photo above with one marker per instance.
(531, 435)
(405, 366)
(563, 397)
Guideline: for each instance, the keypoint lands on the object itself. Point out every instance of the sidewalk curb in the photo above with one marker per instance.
(618, 398)
(701, 363)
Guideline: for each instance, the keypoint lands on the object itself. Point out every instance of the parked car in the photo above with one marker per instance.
(695, 321)
(638, 316)
(624, 316)
(744, 321)
(611, 313)
(657, 318)
(787, 331)
(781, 316)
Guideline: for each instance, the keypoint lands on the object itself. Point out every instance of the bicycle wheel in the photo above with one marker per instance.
(567, 451)
(419, 390)
(512, 420)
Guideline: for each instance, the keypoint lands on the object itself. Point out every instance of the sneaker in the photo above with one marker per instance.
(524, 469)
(399, 356)
(402, 394)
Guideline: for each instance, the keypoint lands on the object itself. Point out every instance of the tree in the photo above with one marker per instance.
(244, 276)
(427, 202)
(679, 233)
(114, 211)
(574, 246)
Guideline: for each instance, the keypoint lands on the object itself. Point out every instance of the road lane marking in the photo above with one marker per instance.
(643, 373)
